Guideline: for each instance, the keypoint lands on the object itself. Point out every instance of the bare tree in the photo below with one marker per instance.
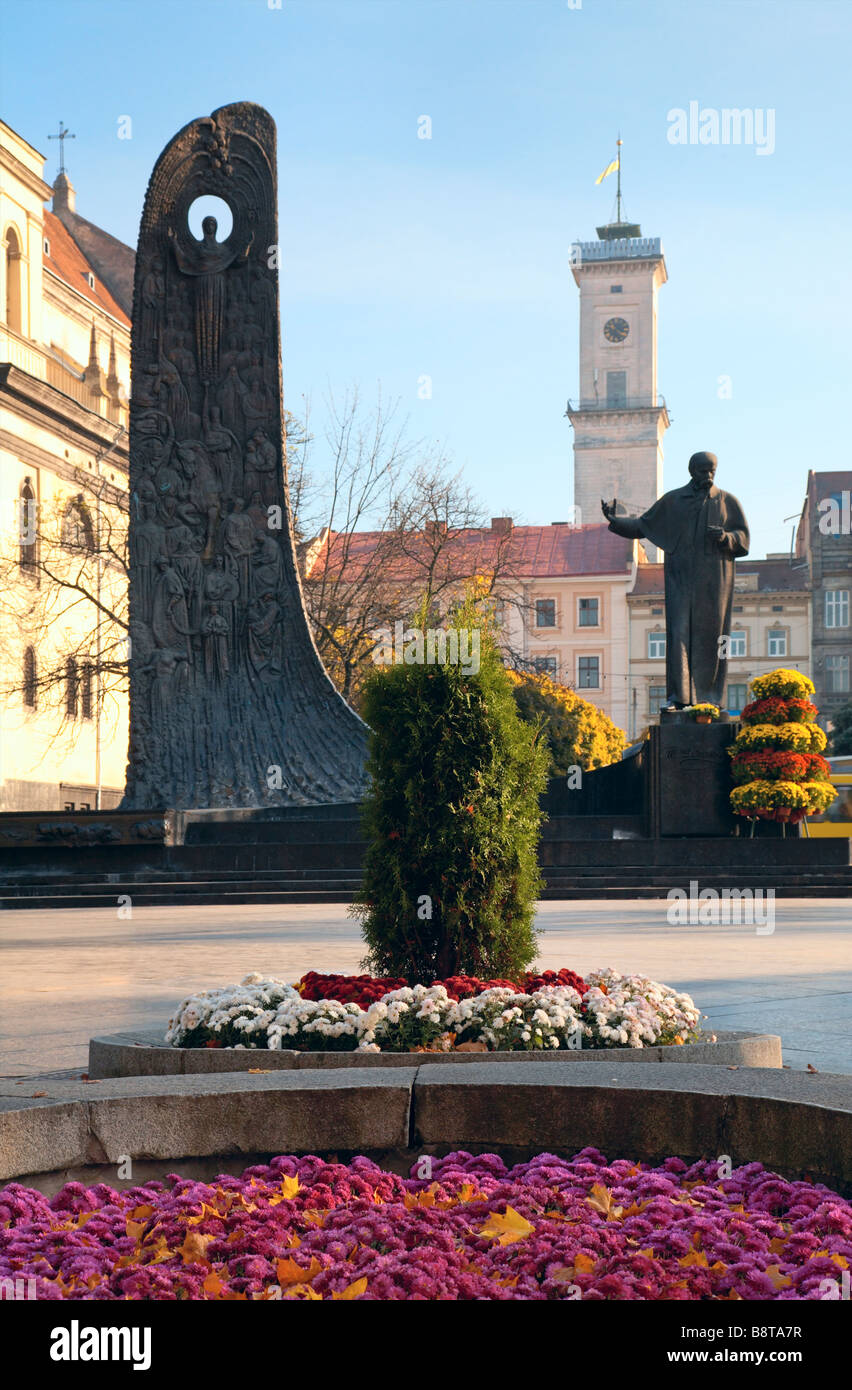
(394, 528)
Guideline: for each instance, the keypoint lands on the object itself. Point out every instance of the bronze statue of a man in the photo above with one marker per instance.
(701, 530)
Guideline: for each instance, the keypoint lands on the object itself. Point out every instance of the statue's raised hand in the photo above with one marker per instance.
(608, 508)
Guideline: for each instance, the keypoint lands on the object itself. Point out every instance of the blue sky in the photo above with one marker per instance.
(449, 257)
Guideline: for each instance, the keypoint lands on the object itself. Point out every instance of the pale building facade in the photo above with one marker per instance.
(64, 382)
(620, 419)
(770, 627)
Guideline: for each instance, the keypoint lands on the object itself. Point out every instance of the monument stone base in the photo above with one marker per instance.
(688, 782)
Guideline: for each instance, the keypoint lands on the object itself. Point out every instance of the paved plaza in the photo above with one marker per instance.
(68, 974)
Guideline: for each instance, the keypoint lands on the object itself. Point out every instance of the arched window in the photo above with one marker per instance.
(77, 530)
(27, 526)
(72, 685)
(86, 692)
(12, 248)
(30, 678)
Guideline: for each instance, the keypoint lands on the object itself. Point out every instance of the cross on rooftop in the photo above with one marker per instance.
(62, 137)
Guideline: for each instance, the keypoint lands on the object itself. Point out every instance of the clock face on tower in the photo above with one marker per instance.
(616, 330)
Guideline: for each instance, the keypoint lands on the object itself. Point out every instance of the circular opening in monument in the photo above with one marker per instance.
(210, 206)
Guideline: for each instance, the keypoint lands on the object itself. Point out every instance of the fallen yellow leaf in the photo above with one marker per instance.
(194, 1248)
(507, 1227)
(600, 1199)
(290, 1273)
(353, 1291)
(780, 1281)
(213, 1284)
(695, 1257)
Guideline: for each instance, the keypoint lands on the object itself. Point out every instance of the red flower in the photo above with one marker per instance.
(769, 764)
(775, 710)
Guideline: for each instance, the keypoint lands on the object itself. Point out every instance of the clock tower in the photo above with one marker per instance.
(619, 420)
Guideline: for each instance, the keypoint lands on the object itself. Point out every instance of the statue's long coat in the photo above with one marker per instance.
(699, 578)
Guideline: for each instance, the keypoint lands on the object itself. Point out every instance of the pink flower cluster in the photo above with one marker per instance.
(552, 1228)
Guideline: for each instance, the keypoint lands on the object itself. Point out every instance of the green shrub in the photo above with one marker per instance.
(452, 819)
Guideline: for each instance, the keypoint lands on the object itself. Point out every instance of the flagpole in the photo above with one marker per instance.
(618, 193)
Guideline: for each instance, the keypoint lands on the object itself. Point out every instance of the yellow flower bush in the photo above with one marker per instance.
(578, 733)
(820, 796)
(768, 796)
(795, 738)
(789, 685)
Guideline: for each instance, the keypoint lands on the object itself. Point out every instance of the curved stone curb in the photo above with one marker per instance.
(144, 1053)
(794, 1123)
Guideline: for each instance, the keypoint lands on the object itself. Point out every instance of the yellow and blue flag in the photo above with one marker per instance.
(610, 169)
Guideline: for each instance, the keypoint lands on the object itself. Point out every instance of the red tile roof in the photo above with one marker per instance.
(67, 261)
(533, 552)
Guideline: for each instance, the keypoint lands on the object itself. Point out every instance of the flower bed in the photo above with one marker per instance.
(551, 1229)
(610, 1010)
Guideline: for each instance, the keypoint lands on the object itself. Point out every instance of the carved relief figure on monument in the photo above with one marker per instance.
(239, 545)
(265, 646)
(268, 565)
(216, 632)
(224, 452)
(170, 619)
(223, 589)
(208, 261)
(261, 467)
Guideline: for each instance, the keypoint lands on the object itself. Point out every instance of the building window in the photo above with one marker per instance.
(738, 608)
(28, 555)
(837, 675)
(588, 612)
(30, 678)
(545, 665)
(615, 289)
(776, 642)
(46, 247)
(616, 388)
(91, 279)
(77, 530)
(656, 699)
(777, 608)
(656, 612)
(737, 643)
(71, 687)
(837, 607)
(14, 297)
(656, 646)
(737, 698)
(545, 612)
(588, 672)
(86, 692)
